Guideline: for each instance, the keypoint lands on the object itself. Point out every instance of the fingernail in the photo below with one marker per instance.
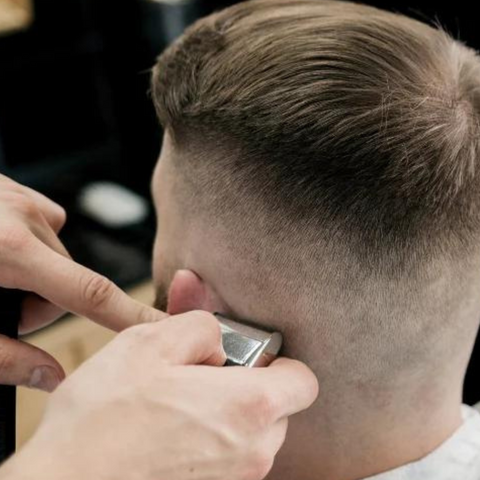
(44, 378)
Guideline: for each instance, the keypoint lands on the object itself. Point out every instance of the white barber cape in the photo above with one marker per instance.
(458, 458)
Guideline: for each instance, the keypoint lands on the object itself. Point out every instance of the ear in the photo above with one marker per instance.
(189, 292)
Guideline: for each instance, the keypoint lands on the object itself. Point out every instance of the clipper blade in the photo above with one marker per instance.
(247, 345)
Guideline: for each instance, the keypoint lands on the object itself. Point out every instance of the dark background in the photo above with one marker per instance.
(74, 108)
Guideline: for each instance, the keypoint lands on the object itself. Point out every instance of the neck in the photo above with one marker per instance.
(342, 439)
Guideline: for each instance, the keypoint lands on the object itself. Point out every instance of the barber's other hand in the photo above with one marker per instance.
(32, 258)
(144, 408)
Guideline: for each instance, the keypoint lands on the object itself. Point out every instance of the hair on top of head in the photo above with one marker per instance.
(342, 115)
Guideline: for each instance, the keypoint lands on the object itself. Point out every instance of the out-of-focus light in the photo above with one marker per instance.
(15, 15)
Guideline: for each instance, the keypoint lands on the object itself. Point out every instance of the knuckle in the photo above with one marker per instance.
(25, 206)
(6, 360)
(97, 291)
(61, 216)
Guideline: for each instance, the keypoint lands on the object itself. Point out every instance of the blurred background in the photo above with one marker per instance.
(76, 122)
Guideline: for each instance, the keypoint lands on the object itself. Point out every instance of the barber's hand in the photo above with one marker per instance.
(144, 408)
(32, 258)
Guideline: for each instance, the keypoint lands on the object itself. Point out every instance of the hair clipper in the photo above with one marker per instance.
(248, 345)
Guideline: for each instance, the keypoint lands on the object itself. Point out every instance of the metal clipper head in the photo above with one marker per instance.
(247, 345)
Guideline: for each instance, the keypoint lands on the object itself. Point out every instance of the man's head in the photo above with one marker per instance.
(319, 174)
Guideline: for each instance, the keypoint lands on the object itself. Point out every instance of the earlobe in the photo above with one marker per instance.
(187, 292)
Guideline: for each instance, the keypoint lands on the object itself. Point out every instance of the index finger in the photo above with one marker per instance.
(54, 214)
(291, 383)
(80, 290)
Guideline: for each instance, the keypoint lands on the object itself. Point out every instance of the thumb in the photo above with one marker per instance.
(26, 365)
(191, 338)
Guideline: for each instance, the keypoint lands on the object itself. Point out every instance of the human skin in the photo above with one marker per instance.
(156, 403)
(140, 408)
(355, 430)
(33, 259)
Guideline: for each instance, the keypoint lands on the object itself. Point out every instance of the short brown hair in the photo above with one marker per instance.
(325, 163)
(355, 117)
